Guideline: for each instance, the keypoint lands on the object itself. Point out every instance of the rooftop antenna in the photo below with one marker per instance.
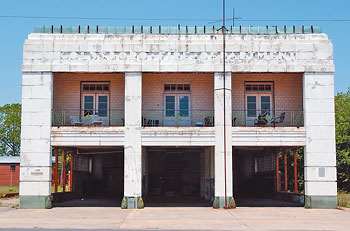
(224, 76)
(234, 18)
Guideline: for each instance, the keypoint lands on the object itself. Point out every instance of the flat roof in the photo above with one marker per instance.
(9, 159)
(267, 30)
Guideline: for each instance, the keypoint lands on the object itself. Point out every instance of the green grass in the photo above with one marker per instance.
(8, 189)
(344, 199)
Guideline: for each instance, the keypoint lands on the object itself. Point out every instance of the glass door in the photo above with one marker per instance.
(88, 105)
(102, 109)
(183, 115)
(258, 105)
(177, 110)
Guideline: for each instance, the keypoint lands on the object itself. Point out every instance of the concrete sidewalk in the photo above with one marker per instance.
(179, 218)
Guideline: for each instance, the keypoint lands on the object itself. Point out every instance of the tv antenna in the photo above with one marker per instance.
(234, 18)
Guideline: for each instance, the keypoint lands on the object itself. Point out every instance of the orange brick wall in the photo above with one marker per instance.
(5, 174)
(66, 89)
(288, 92)
(202, 92)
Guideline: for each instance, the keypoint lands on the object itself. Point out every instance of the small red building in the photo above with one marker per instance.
(9, 170)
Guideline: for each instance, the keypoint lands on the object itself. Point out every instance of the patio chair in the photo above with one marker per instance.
(96, 120)
(263, 119)
(75, 121)
(209, 121)
(278, 119)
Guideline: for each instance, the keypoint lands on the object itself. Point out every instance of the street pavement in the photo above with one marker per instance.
(173, 218)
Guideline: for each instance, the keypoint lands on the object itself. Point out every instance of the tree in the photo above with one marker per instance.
(342, 127)
(10, 129)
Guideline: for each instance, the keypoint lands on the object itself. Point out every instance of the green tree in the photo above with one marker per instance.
(342, 127)
(10, 129)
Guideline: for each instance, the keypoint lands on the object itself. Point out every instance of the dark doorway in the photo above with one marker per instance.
(174, 177)
(98, 179)
(255, 181)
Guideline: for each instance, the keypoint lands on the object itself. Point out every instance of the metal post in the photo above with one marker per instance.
(295, 172)
(277, 173)
(285, 172)
(56, 170)
(224, 76)
(64, 170)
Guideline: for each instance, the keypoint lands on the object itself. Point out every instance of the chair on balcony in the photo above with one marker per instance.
(96, 120)
(92, 120)
(75, 121)
(209, 121)
(278, 119)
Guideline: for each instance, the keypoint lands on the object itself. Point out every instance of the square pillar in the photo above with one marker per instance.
(132, 144)
(320, 152)
(35, 167)
(219, 200)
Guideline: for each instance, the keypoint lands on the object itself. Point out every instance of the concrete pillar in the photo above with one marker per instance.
(202, 174)
(320, 153)
(219, 201)
(144, 172)
(35, 171)
(207, 157)
(132, 146)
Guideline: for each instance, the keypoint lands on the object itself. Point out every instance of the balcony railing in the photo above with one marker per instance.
(268, 118)
(76, 117)
(178, 118)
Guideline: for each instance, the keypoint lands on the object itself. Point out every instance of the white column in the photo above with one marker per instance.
(219, 139)
(207, 157)
(35, 171)
(320, 152)
(132, 145)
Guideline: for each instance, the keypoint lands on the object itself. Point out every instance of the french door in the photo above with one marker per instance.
(96, 104)
(177, 110)
(257, 104)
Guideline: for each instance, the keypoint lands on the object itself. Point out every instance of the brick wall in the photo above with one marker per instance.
(67, 93)
(288, 91)
(66, 89)
(5, 174)
(202, 92)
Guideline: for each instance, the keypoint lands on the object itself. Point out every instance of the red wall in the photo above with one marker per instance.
(5, 174)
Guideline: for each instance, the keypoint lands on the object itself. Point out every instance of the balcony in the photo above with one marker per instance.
(178, 118)
(267, 118)
(88, 118)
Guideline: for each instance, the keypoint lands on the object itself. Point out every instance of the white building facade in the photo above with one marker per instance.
(139, 90)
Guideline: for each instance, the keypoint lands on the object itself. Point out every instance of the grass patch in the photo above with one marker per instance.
(344, 199)
(8, 189)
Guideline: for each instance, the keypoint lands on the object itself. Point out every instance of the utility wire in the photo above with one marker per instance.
(107, 18)
(283, 20)
(173, 19)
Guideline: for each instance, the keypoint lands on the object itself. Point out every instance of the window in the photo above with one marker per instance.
(13, 168)
(95, 87)
(95, 101)
(177, 87)
(258, 87)
(258, 100)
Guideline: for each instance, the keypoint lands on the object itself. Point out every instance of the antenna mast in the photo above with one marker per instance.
(224, 76)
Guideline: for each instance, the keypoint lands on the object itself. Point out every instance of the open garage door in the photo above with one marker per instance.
(97, 178)
(177, 176)
(268, 176)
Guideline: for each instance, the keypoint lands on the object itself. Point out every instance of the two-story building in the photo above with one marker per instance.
(139, 113)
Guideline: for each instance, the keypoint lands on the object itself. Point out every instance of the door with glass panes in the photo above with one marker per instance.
(257, 104)
(97, 105)
(177, 110)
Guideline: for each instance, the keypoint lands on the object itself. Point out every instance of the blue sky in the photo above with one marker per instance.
(14, 31)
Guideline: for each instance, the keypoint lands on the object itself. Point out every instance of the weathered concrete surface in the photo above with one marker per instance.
(177, 219)
(177, 53)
